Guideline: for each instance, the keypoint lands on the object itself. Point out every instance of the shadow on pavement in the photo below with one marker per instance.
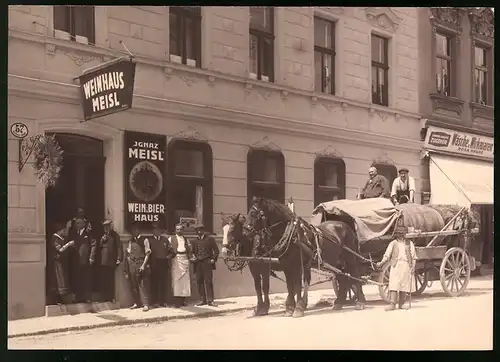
(112, 317)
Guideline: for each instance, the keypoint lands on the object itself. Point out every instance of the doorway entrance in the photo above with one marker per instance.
(80, 185)
(486, 234)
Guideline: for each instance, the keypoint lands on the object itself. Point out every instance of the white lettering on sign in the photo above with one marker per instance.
(103, 83)
(104, 102)
(142, 154)
(459, 142)
(146, 208)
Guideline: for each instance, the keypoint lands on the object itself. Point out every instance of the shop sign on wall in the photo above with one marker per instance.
(145, 176)
(107, 90)
(442, 139)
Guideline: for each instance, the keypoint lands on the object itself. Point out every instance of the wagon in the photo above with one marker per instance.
(442, 235)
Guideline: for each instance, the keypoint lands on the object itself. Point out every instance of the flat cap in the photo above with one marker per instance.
(107, 222)
(199, 226)
(404, 169)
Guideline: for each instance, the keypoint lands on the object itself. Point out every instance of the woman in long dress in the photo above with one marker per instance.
(60, 263)
(402, 256)
(181, 280)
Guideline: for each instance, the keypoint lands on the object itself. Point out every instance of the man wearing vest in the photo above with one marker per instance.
(138, 271)
(403, 188)
(160, 267)
(205, 254)
(80, 259)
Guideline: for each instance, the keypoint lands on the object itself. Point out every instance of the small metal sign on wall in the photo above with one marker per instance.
(145, 179)
(107, 90)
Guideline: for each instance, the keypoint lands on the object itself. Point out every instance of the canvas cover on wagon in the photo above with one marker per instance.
(376, 217)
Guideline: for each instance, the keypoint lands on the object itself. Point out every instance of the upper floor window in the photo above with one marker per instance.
(329, 179)
(324, 56)
(443, 64)
(262, 43)
(75, 22)
(265, 175)
(481, 76)
(380, 70)
(185, 35)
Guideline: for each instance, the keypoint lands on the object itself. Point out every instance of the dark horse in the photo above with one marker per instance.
(299, 246)
(239, 245)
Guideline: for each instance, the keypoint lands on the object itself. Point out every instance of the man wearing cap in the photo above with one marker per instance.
(181, 278)
(160, 268)
(138, 271)
(205, 254)
(403, 188)
(376, 186)
(107, 252)
(402, 256)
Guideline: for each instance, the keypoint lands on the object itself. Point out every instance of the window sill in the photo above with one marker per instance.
(481, 110)
(254, 77)
(447, 103)
(266, 183)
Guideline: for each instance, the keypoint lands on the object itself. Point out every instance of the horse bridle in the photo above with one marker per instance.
(261, 216)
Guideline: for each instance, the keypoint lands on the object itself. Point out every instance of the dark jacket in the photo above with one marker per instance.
(376, 187)
(109, 248)
(204, 248)
(159, 248)
(83, 244)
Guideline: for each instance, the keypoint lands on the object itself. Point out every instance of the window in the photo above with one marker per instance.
(480, 75)
(265, 175)
(380, 71)
(262, 43)
(443, 65)
(185, 35)
(324, 56)
(76, 22)
(390, 172)
(329, 179)
(190, 182)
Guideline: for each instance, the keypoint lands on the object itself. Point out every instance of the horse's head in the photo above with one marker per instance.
(233, 230)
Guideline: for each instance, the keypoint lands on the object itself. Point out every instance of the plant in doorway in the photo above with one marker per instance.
(48, 156)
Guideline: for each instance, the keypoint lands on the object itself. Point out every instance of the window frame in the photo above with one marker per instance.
(256, 155)
(182, 13)
(326, 51)
(69, 20)
(488, 69)
(385, 67)
(451, 59)
(321, 190)
(385, 169)
(261, 35)
(206, 181)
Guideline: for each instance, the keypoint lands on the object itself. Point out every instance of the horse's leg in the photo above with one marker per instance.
(254, 270)
(290, 299)
(358, 286)
(341, 297)
(299, 309)
(266, 277)
(307, 277)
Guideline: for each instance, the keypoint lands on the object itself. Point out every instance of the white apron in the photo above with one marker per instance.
(399, 275)
(180, 276)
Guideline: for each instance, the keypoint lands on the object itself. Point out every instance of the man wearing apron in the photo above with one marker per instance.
(181, 281)
(403, 188)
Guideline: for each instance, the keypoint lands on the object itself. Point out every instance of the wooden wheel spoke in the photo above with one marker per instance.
(449, 281)
(448, 270)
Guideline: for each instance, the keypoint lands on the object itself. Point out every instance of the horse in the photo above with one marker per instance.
(234, 242)
(299, 245)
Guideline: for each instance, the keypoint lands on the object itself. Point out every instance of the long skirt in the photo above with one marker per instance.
(61, 277)
(181, 283)
(399, 277)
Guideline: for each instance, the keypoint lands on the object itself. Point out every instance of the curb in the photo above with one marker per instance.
(129, 322)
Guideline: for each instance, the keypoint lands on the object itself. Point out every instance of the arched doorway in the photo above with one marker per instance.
(80, 184)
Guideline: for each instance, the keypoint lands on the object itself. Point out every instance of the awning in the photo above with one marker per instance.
(460, 181)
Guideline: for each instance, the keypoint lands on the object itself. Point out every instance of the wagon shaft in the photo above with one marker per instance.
(253, 259)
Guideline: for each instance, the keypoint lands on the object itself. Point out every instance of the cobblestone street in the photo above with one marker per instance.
(434, 322)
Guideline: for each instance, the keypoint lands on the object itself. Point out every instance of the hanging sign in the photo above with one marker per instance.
(145, 176)
(107, 90)
(464, 143)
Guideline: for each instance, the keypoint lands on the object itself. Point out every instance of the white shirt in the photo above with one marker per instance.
(400, 185)
(181, 243)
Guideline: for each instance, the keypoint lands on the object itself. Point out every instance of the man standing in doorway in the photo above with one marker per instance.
(80, 213)
(403, 188)
(160, 267)
(81, 266)
(181, 279)
(376, 186)
(109, 249)
(138, 270)
(205, 254)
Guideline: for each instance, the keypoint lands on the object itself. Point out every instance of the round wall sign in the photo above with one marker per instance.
(19, 130)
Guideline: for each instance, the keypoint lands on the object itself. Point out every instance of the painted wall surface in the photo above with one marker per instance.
(218, 104)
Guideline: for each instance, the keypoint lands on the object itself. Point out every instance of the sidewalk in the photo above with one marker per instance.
(66, 323)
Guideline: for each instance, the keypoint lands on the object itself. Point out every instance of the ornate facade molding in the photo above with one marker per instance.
(191, 134)
(449, 18)
(266, 144)
(447, 103)
(384, 159)
(482, 110)
(384, 18)
(79, 59)
(482, 22)
(329, 151)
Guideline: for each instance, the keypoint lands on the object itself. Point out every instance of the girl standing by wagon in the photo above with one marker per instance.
(402, 256)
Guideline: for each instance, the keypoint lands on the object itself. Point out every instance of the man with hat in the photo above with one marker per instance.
(160, 266)
(181, 278)
(402, 256)
(403, 188)
(138, 270)
(205, 254)
(106, 254)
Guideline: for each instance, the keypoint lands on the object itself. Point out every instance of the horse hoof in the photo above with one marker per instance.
(298, 313)
(360, 306)
(257, 312)
(288, 313)
(337, 307)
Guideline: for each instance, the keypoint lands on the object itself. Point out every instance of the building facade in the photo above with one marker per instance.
(283, 102)
(456, 47)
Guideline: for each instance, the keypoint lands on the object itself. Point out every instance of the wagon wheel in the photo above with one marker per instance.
(420, 281)
(383, 278)
(454, 272)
